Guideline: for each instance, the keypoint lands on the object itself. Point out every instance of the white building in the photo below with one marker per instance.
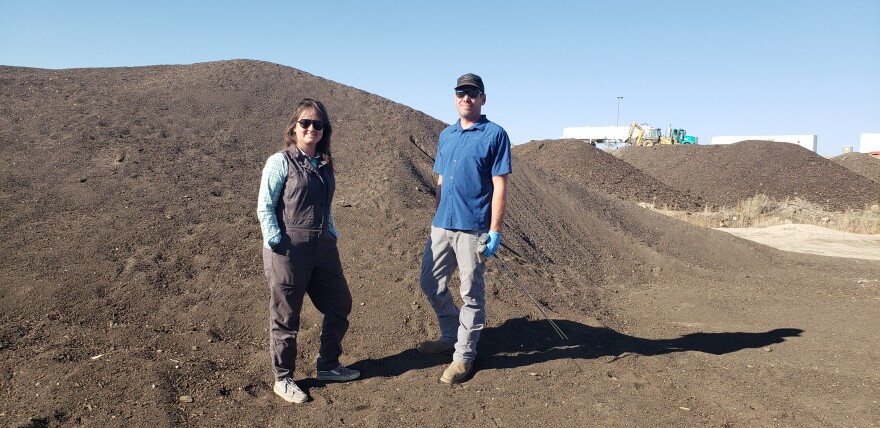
(597, 134)
(806, 141)
(869, 143)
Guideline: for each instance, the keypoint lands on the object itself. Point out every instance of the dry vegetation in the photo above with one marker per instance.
(763, 211)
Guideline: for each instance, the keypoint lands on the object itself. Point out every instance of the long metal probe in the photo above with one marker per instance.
(501, 263)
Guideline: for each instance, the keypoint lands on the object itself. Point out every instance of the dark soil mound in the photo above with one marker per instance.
(861, 163)
(723, 175)
(595, 169)
(132, 291)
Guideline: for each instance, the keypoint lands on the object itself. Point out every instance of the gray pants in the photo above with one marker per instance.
(446, 250)
(309, 265)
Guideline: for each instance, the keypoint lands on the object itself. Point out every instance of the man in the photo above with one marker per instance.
(472, 167)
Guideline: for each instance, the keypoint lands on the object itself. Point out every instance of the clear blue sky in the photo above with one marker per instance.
(748, 67)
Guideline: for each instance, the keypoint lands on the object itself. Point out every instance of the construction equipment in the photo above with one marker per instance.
(648, 136)
(677, 136)
(640, 140)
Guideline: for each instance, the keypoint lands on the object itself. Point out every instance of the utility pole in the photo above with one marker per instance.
(617, 121)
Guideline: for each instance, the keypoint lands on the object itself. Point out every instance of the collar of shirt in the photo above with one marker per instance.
(315, 161)
(479, 126)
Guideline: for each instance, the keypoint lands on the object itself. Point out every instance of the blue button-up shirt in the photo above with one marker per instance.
(467, 159)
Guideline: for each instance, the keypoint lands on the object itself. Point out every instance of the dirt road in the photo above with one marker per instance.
(809, 239)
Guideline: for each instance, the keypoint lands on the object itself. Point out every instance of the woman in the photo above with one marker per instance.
(299, 248)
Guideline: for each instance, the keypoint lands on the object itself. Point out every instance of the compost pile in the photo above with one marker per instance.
(596, 169)
(132, 291)
(861, 163)
(726, 174)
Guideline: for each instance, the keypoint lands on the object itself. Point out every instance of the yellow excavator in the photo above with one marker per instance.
(648, 136)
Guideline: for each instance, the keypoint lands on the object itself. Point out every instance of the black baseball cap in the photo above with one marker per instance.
(470, 79)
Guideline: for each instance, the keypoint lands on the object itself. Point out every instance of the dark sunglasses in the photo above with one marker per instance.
(317, 124)
(473, 93)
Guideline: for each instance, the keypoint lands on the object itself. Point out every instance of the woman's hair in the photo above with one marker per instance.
(324, 145)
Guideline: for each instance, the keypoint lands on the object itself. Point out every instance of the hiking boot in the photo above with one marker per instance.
(435, 347)
(340, 373)
(289, 391)
(456, 372)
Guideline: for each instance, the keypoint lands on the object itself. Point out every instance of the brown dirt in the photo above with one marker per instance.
(726, 174)
(130, 276)
(596, 169)
(861, 163)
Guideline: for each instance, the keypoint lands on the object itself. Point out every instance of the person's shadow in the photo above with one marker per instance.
(522, 342)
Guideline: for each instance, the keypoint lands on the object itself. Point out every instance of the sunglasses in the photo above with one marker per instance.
(317, 124)
(473, 93)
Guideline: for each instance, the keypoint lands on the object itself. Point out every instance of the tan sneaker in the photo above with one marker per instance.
(435, 347)
(456, 372)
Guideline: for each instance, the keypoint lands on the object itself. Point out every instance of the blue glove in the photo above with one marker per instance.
(493, 243)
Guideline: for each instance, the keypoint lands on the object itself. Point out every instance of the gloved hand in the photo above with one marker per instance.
(493, 243)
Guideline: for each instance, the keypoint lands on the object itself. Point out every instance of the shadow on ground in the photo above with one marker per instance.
(522, 342)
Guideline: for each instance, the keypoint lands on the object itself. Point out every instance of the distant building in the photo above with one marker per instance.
(806, 141)
(597, 134)
(869, 143)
